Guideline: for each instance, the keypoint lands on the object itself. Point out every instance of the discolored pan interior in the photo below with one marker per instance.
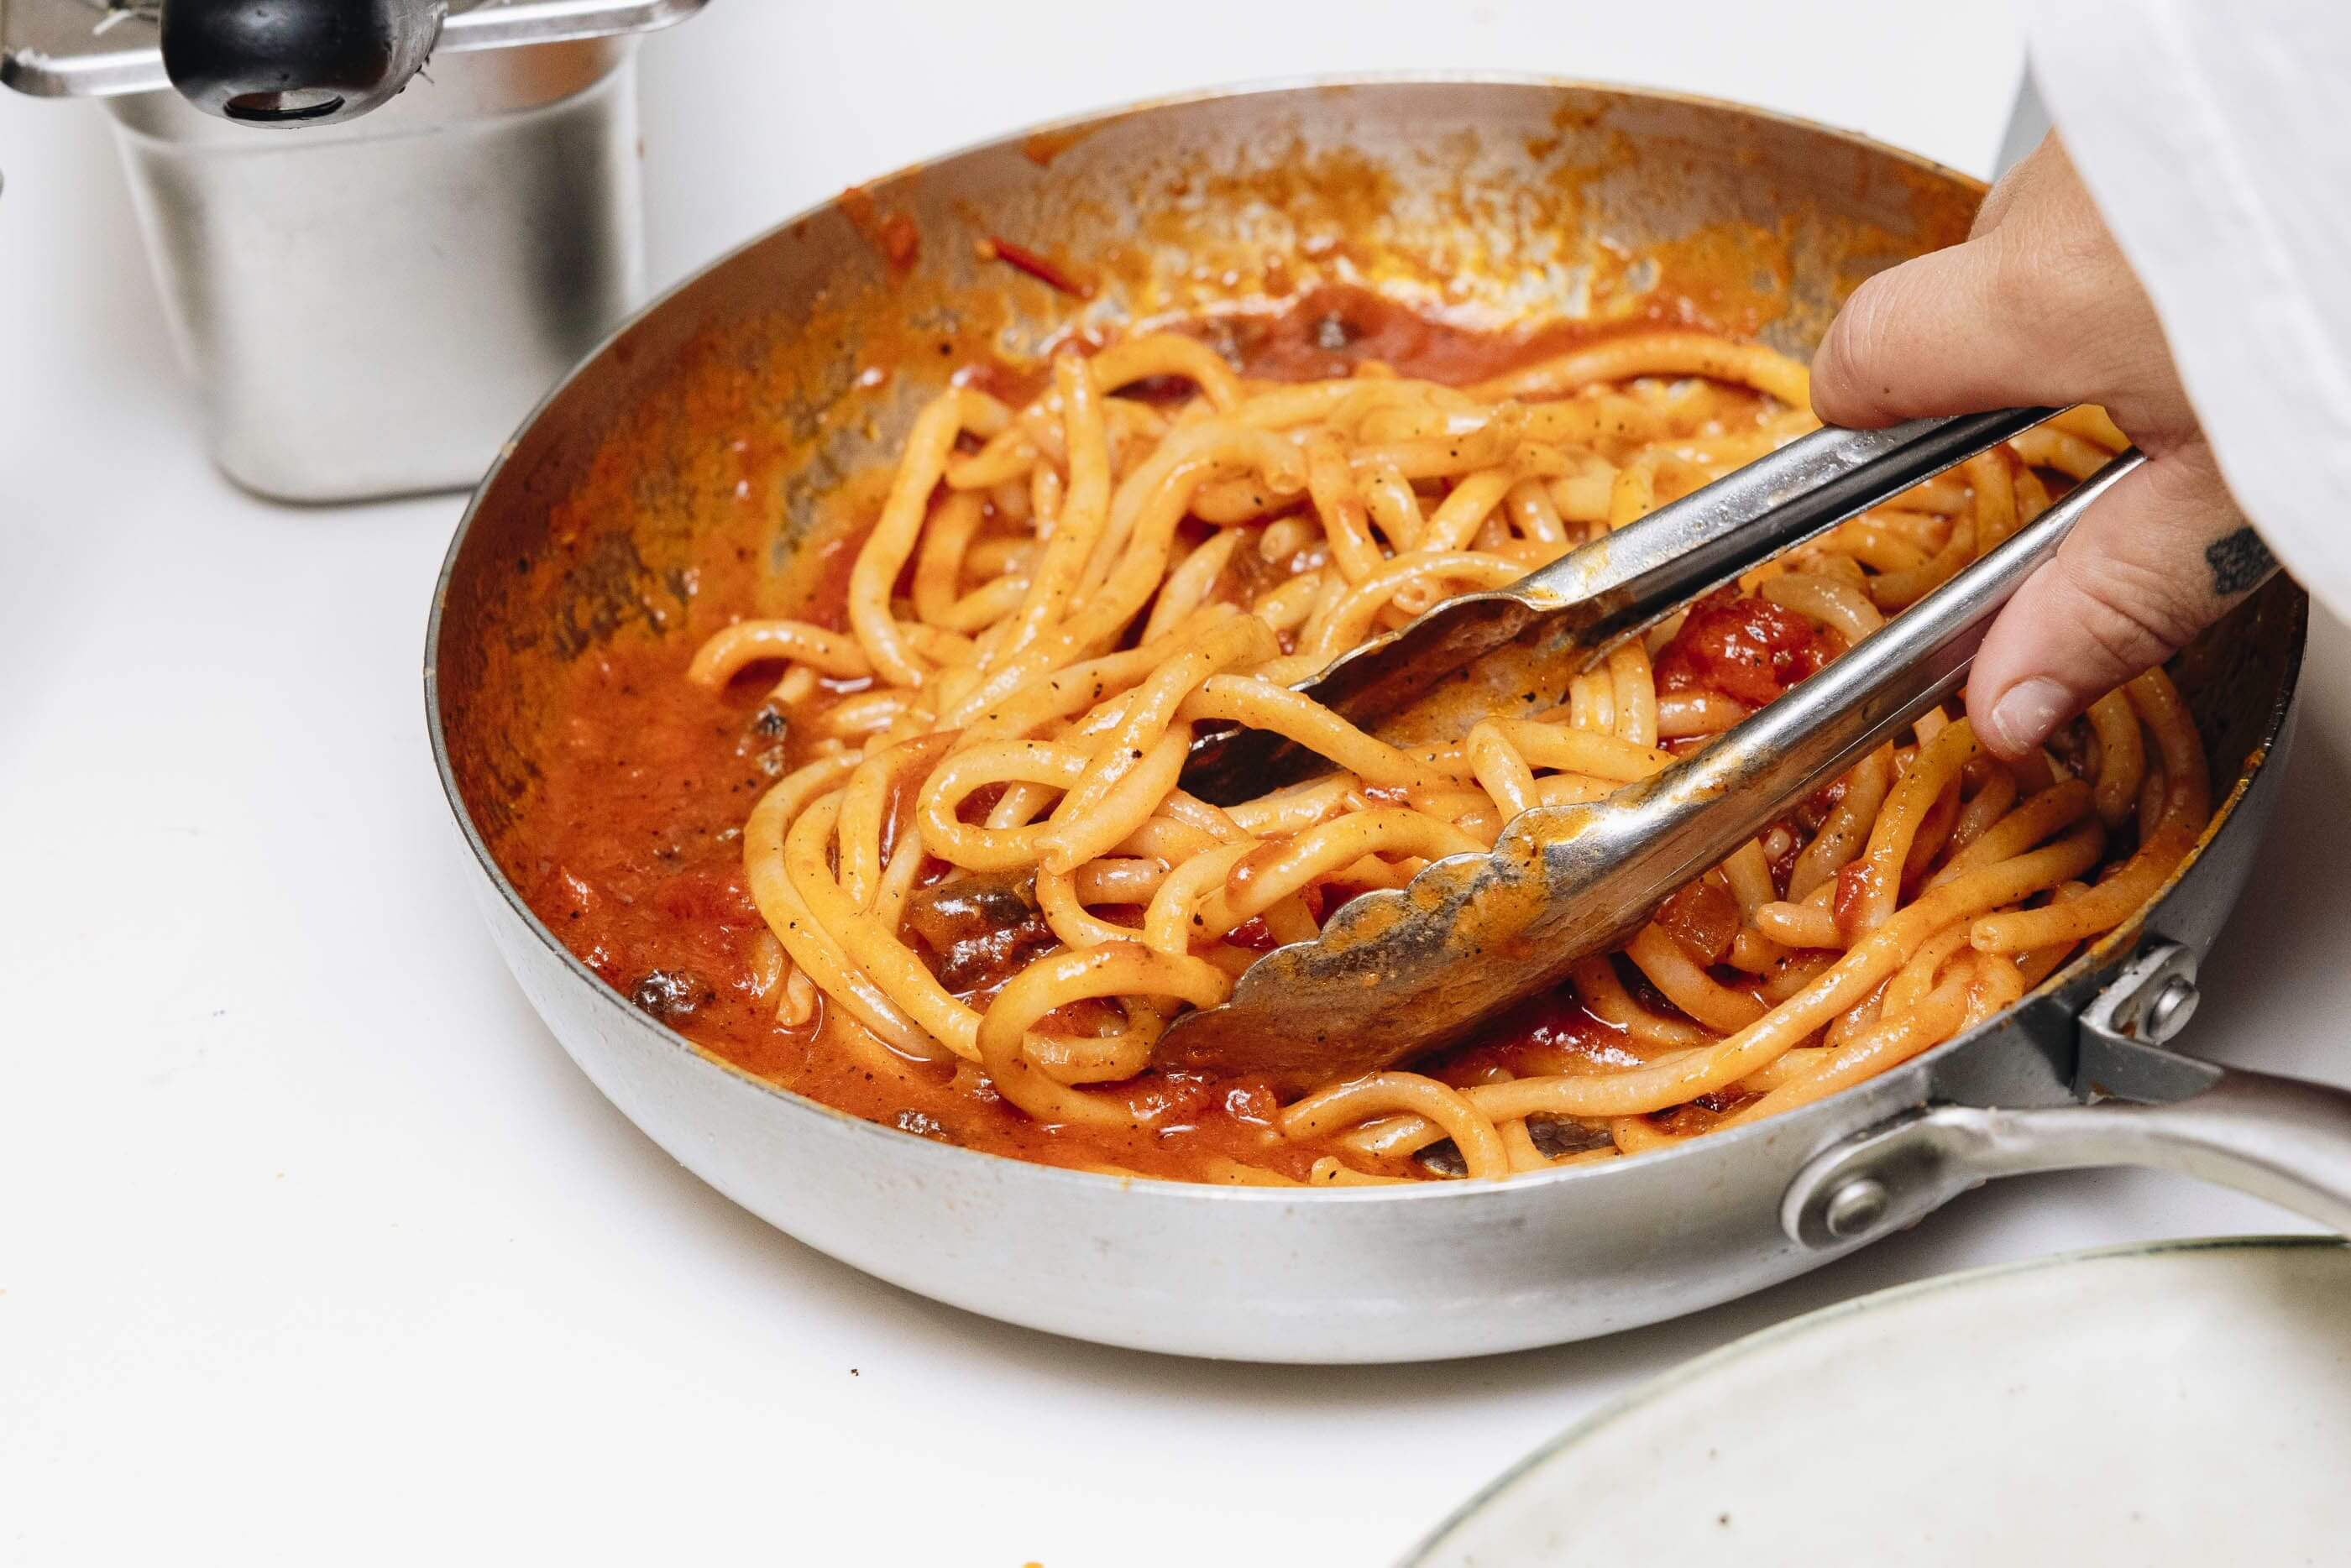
(776, 380)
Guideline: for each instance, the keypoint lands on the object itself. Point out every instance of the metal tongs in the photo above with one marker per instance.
(1394, 973)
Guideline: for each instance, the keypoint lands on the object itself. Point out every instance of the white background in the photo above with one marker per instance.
(315, 1247)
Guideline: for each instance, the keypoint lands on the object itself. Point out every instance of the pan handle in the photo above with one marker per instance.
(2285, 1139)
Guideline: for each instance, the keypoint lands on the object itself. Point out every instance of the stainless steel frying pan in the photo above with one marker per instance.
(1489, 195)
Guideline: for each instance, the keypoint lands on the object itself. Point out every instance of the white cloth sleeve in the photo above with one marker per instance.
(2216, 140)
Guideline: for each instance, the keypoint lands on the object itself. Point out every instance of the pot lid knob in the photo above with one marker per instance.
(291, 63)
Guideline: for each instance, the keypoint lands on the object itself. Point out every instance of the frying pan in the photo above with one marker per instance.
(1509, 198)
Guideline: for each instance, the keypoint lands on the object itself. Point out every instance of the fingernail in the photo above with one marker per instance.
(2023, 718)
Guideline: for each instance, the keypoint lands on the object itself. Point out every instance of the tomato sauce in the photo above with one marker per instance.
(1327, 332)
(632, 850)
(1748, 648)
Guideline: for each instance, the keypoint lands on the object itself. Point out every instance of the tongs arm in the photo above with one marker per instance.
(1602, 592)
(1645, 571)
(1700, 811)
(1397, 972)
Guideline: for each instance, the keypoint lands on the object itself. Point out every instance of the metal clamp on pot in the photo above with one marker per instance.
(370, 303)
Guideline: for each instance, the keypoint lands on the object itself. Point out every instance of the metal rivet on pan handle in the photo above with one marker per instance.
(1894, 1174)
(2280, 1139)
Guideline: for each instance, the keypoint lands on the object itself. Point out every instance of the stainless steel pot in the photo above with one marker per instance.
(362, 304)
(1487, 194)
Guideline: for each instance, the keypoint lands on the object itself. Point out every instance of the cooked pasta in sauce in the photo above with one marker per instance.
(917, 847)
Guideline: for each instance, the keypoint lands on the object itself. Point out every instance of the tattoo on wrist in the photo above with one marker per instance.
(2239, 562)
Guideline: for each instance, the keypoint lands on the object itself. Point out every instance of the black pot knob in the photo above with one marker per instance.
(292, 63)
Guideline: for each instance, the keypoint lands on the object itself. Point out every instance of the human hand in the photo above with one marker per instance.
(2039, 307)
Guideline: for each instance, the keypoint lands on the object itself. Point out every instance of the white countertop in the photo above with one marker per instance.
(314, 1247)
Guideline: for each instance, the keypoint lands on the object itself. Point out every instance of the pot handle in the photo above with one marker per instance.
(286, 64)
(2285, 1139)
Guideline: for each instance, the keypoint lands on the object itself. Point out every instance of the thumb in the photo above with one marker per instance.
(1928, 336)
(2161, 556)
(2039, 307)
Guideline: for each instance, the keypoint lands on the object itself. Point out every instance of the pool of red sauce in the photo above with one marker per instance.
(633, 855)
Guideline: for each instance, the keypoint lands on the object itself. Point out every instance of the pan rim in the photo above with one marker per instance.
(955, 1158)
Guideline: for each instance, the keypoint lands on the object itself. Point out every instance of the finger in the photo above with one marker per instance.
(1924, 339)
(2162, 555)
(2047, 161)
(2039, 307)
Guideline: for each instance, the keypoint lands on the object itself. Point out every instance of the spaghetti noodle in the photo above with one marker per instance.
(980, 881)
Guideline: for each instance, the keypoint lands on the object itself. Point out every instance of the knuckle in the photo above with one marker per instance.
(2024, 183)
(2135, 613)
(2056, 274)
(2020, 281)
(2073, 244)
(2004, 195)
